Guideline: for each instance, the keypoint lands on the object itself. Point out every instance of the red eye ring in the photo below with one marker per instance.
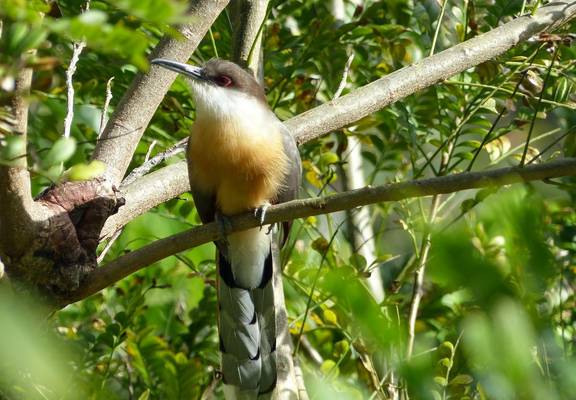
(223, 80)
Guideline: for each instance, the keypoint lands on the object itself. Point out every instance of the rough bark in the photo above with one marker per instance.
(49, 245)
(248, 21)
(17, 213)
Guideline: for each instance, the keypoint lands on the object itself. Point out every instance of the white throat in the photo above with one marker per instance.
(229, 105)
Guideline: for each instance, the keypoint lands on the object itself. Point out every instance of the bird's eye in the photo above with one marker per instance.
(223, 80)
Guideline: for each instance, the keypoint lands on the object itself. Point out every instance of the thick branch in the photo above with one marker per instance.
(406, 81)
(127, 124)
(248, 19)
(146, 193)
(17, 206)
(138, 259)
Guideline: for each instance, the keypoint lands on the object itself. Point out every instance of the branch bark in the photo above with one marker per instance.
(404, 82)
(138, 259)
(127, 124)
(18, 208)
(248, 20)
(146, 193)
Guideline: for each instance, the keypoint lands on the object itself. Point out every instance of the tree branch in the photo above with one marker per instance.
(248, 18)
(140, 171)
(138, 259)
(404, 82)
(146, 193)
(132, 115)
(77, 48)
(17, 206)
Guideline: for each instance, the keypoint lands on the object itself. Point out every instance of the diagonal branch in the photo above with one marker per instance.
(138, 259)
(132, 115)
(404, 82)
(146, 193)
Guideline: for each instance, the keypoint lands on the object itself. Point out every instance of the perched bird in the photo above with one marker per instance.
(240, 157)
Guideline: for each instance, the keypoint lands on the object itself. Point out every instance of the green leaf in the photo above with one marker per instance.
(440, 380)
(85, 172)
(329, 368)
(14, 148)
(61, 151)
(145, 395)
(445, 362)
(462, 379)
(15, 34)
(467, 205)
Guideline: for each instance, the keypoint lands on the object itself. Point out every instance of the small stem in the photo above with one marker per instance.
(106, 106)
(533, 122)
(486, 137)
(313, 288)
(419, 278)
(213, 42)
(438, 25)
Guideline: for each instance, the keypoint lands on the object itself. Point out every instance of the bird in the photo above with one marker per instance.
(241, 158)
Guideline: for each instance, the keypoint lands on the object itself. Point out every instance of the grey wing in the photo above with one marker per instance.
(205, 205)
(205, 202)
(293, 178)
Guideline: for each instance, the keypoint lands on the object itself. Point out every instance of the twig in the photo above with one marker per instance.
(313, 288)
(150, 148)
(314, 355)
(108, 246)
(537, 108)
(154, 161)
(106, 106)
(76, 51)
(138, 259)
(345, 73)
(361, 228)
(417, 290)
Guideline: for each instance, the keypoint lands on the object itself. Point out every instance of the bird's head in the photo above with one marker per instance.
(221, 88)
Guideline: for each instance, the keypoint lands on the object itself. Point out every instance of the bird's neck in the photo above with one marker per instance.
(235, 110)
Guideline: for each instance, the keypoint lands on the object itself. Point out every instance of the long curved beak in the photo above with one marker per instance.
(181, 68)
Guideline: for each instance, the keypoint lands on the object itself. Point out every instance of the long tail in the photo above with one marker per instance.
(246, 314)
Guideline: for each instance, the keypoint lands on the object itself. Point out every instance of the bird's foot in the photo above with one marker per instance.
(260, 213)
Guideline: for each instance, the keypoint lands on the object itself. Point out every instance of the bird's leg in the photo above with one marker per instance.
(260, 213)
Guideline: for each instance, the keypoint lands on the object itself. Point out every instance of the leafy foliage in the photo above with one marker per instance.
(497, 317)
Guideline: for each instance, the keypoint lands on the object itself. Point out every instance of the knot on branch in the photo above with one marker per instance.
(77, 212)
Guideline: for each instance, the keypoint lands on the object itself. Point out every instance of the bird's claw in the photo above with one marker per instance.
(260, 213)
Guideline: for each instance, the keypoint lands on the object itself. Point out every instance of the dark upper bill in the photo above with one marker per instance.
(181, 68)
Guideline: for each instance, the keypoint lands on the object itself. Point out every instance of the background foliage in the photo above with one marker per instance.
(497, 316)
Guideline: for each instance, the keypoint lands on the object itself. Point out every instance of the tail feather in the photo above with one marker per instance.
(247, 331)
(264, 306)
